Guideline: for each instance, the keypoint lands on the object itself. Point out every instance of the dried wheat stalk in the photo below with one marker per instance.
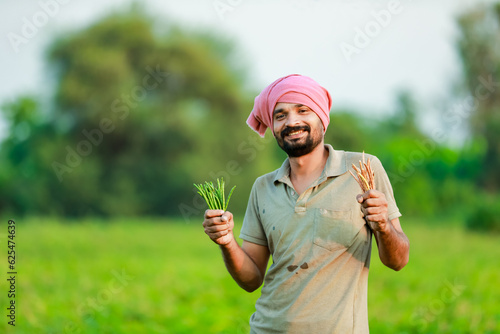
(365, 175)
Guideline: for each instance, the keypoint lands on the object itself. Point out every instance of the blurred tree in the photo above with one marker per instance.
(348, 131)
(141, 111)
(479, 47)
(158, 110)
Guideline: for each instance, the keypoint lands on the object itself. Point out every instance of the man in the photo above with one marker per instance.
(310, 217)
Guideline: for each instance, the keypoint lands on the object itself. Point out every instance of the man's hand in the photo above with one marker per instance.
(247, 264)
(219, 226)
(374, 207)
(393, 245)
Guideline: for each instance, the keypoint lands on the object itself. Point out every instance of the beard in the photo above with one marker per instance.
(301, 146)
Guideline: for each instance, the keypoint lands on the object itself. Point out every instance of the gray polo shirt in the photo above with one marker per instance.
(320, 246)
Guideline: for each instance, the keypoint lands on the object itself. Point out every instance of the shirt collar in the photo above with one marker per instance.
(336, 165)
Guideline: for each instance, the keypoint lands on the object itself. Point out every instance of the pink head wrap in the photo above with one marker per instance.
(293, 88)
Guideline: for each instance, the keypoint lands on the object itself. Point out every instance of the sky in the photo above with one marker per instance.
(363, 52)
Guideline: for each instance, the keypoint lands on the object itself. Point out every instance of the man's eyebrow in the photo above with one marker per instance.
(281, 109)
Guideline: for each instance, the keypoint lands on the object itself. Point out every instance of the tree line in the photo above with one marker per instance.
(141, 110)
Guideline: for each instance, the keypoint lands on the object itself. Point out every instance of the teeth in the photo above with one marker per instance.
(295, 132)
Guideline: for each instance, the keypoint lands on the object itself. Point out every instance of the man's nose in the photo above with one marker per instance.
(293, 119)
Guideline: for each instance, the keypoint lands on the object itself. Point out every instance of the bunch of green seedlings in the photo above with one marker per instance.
(214, 195)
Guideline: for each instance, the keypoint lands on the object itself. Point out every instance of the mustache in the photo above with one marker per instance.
(286, 131)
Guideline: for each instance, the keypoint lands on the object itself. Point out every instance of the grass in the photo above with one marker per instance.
(171, 279)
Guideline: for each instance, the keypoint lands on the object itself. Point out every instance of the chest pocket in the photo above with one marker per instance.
(335, 229)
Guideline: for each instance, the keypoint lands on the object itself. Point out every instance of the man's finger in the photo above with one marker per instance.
(359, 198)
(216, 228)
(218, 221)
(374, 202)
(373, 210)
(372, 193)
(376, 218)
(217, 235)
(226, 217)
(213, 213)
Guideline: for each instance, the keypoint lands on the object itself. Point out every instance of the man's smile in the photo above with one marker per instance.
(296, 134)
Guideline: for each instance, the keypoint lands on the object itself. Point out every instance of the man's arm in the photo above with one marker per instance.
(246, 264)
(393, 244)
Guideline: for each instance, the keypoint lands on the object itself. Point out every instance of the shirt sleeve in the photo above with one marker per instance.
(252, 230)
(383, 184)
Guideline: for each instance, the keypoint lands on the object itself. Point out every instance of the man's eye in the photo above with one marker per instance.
(303, 110)
(278, 117)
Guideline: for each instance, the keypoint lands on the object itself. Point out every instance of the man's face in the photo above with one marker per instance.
(298, 130)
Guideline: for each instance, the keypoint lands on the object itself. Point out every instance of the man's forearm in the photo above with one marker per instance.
(241, 267)
(394, 247)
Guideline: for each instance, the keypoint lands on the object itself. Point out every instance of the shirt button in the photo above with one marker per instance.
(293, 193)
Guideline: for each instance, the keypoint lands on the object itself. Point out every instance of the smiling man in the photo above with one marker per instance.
(310, 216)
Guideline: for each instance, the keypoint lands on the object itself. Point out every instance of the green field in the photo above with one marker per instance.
(156, 276)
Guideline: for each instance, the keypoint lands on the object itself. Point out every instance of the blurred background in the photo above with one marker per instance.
(109, 112)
